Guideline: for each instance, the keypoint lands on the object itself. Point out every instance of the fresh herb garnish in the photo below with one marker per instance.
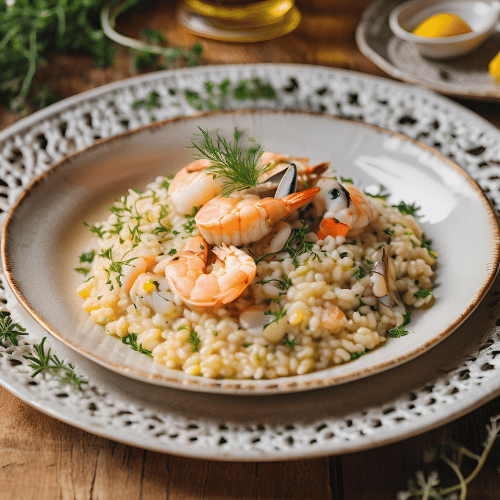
(45, 362)
(346, 180)
(290, 342)
(407, 209)
(400, 331)
(9, 330)
(97, 230)
(427, 245)
(87, 257)
(357, 355)
(190, 225)
(343, 254)
(194, 340)
(280, 313)
(131, 341)
(284, 283)
(82, 270)
(240, 169)
(296, 245)
(389, 232)
(360, 274)
(421, 294)
(115, 266)
(381, 195)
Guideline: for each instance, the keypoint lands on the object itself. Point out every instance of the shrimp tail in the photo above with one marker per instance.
(291, 203)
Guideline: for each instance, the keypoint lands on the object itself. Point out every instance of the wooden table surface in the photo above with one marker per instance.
(42, 458)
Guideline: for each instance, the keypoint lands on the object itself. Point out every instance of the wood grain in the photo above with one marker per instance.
(42, 458)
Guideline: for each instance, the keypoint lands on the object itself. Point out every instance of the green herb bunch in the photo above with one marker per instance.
(31, 29)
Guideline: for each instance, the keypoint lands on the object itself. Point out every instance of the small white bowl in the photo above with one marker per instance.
(480, 15)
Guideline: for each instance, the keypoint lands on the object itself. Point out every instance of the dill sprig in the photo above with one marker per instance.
(9, 330)
(239, 168)
(44, 362)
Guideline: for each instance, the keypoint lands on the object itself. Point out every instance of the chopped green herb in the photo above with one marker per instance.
(97, 230)
(82, 270)
(360, 274)
(247, 344)
(171, 252)
(357, 355)
(284, 284)
(381, 195)
(400, 331)
(343, 254)
(421, 294)
(87, 257)
(344, 179)
(194, 340)
(290, 342)
(427, 245)
(131, 340)
(280, 313)
(296, 245)
(407, 209)
(390, 232)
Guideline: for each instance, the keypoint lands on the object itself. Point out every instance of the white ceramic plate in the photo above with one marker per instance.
(466, 77)
(44, 234)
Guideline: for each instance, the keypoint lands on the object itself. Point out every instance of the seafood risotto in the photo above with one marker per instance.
(251, 264)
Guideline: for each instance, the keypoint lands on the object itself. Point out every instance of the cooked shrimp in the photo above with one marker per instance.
(240, 221)
(192, 187)
(188, 278)
(342, 208)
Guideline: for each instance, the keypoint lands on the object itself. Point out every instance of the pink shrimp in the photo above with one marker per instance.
(240, 221)
(188, 278)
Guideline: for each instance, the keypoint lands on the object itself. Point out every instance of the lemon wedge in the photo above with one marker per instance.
(442, 25)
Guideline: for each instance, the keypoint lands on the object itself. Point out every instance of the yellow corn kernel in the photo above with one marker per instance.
(296, 317)
(149, 286)
(494, 67)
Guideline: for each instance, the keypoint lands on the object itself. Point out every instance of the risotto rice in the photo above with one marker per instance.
(316, 295)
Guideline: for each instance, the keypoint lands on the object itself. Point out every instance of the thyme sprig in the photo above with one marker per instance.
(452, 454)
(43, 361)
(239, 168)
(131, 341)
(296, 245)
(10, 330)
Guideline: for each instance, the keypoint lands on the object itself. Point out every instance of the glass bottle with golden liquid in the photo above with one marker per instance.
(239, 20)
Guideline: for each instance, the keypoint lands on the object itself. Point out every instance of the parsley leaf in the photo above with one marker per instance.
(400, 331)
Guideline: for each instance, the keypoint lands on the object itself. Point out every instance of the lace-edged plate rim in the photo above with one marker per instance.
(14, 236)
(307, 424)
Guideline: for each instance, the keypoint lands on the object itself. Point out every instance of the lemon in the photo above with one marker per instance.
(442, 25)
(494, 67)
